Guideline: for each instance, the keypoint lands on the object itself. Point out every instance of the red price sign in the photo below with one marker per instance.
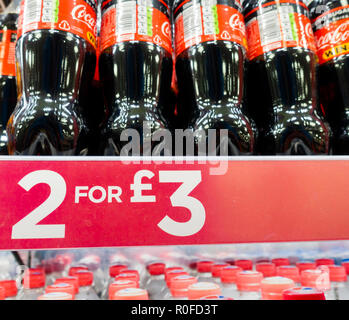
(69, 203)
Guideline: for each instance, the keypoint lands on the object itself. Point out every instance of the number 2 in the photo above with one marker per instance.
(28, 227)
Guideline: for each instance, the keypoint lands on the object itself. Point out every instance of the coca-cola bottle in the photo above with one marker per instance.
(210, 64)
(282, 82)
(56, 56)
(135, 68)
(330, 21)
(8, 91)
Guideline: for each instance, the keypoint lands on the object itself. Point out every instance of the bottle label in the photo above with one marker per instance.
(7, 52)
(135, 20)
(278, 24)
(78, 17)
(331, 31)
(198, 21)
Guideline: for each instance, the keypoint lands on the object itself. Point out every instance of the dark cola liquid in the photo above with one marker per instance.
(136, 78)
(8, 88)
(211, 78)
(334, 85)
(283, 100)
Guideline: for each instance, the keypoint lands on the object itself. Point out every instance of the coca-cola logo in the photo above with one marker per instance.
(80, 13)
(307, 40)
(236, 23)
(338, 36)
(166, 29)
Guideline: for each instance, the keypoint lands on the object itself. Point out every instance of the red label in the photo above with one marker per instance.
(202, 21)
(7, 53)
(332, 34)
(78, 17)
(140, 20)
(281, 24)
(62, 203)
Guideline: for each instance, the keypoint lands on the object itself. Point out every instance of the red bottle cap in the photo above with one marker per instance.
(119, 285)
(262, 260)
(33, 279)
(318, 278)
(291, 272)
(230, 261)
(305, 265)
(131, 294)
(268, 269)
(170, 269)
(132, 274)
(244, 264)
(249, 280)
(47, 265)
(272, 287)
(228, 274)
(85, 278)
(281, 262)
(337, 273)
(58, 265)
(215, 297)
(115, 270)
(204, 266)
(2, 293)
(303, 293)
(174, 273)
(56, 296)
(10, 287)
(74, 270)
(346, 266)
(324, 262)
(179, 285)
(127, 277)
(74, 281)
(203, 289)
(156, 269)
(217, 268)
(61, 287)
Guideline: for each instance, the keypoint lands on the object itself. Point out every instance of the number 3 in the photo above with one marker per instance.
(28, 227)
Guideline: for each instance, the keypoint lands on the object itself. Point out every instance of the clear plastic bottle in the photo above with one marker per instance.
(120, 285)
(156, 282)
(204, 268)
(319, 279)
(86, 290)
(249, 285)
(33, 285)
(10, 288)
(202, 289)
(169, 275)
(114, 270)
(228, 281)
(338, 278)
(179, 287)
(272, 287)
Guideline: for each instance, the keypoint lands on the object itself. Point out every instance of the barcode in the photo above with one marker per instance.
(126, 17)
(32, 11)
(207, 13)
(269, 28)
(192, 23)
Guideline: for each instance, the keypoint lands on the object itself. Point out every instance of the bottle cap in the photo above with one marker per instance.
(156, 269)
(244, 264)
(281, 262)
(119, 285)
(131, 294)
(262, 260)
(228, 274)
(217, 268)
(58, 265)
(216, 297)
(272, 287)
(290, 272)
(202, 289)
(61, 287)
(204, 266)
(75, 269)
(175, 273)
(346, 266)
(230, 261)
(33, 279)
(131, 274)
(10, 287)
(193, 264)
(337, 273)
(2, 293)
(85, 278)
(268, 269)
(248, 280)
(127, 277)
(170, 269)
(303, 293)
(74, 281)
(115, 269)
(179, 285)
(56, 296)
(316, 278)
(324, 262)
(305, 265)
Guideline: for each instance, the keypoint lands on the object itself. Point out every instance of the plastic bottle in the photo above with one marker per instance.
(10, 288)
(338, 278)
(156, 283)
(204, 269)
(119, 285)
(228, 277)
(216, 271)
(272, 287)
(33, 285)
(179, 287)
(86, 290)
(249, 285)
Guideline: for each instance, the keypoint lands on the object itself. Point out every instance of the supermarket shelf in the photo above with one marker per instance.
(49, 203)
